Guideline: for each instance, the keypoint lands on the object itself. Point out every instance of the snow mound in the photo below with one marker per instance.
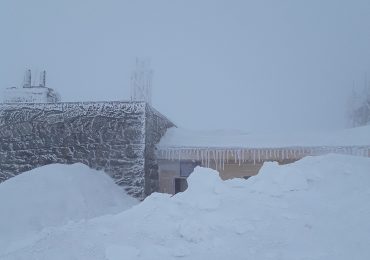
(316, 208)
(54, 195)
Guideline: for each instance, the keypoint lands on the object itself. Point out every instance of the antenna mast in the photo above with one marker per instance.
(27, 79)
(141, 81)
(43, 79)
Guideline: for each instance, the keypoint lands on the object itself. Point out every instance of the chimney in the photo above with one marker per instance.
(27, 79)
(42, 79)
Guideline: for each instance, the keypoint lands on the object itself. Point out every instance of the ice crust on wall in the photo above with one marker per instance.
(117, 137)
(312, 209)
(34, 94)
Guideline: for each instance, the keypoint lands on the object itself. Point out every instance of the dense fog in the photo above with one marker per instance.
(252, 65)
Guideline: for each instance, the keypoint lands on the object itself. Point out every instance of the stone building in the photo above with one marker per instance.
(130, 141)
(116, 137)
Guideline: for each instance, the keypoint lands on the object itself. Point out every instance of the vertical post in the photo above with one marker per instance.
(43, 79)
(27, 79)
(141, 81)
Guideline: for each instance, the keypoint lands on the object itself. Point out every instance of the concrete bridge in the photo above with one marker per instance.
(117, 137)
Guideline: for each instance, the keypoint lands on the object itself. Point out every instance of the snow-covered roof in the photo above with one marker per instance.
(182, 138)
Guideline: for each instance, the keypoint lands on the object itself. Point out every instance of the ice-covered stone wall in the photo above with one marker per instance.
(117, 137)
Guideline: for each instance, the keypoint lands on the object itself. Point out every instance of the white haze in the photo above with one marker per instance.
(254, 65)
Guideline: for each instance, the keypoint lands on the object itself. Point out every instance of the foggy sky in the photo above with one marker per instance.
(278, 65)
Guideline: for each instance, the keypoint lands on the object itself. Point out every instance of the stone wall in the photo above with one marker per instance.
(155, 127)
(117, 137)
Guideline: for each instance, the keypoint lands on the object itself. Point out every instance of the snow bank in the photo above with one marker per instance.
(54, 195)
(316, 208)
(178, 137)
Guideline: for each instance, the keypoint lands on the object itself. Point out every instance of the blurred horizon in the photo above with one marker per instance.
(256, 66)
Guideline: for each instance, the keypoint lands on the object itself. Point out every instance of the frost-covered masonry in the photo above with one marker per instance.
(117, 137)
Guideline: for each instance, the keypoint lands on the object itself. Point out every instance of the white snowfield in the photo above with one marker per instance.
(52, 196)
(178, 137)
(316, 208)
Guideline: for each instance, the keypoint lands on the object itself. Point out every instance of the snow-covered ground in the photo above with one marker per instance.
(316, 208)
(52, 196)
(178, 137)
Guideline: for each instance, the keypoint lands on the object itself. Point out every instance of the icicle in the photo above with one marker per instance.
(213, 157)
(214, 153)
(219, 156)
(201, 157)
(239, 157)
(217, 159)
(208, 158)
(254, 156)
(205, 158)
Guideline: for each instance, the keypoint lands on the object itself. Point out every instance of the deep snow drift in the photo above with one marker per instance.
(316, 208)
(54, 195)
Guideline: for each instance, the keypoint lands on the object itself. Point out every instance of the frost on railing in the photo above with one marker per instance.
(221, 156)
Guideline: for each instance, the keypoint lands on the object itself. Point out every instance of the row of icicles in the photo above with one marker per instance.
(220, 156)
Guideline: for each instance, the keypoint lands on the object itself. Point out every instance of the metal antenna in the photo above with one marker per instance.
(141, 81)
(27, 79)
(43, 79)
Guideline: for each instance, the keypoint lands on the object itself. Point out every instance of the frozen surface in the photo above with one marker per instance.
(316, 208)
(177, 137)
(34, 94)
(52, 196)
